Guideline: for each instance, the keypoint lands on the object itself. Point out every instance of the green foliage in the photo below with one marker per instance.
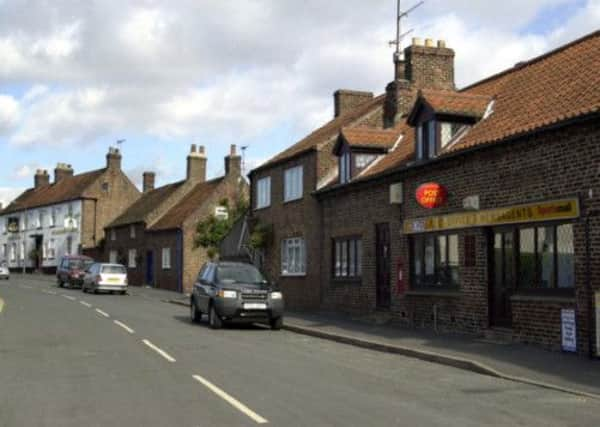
(212, 230)
(261, 236)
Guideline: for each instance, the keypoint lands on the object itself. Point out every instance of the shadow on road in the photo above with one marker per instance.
(227, 326)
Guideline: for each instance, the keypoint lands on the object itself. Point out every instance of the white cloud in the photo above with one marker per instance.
(9, 113)
(8, 194)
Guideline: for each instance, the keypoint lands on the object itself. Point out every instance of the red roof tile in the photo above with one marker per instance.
(458, 103)
(363, 137)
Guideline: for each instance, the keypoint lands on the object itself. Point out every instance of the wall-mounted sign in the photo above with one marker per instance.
(221, 212)
(531, 212)
(431, 195)
(471, 202)
(13, 225)
(70, 223)
(568, 330)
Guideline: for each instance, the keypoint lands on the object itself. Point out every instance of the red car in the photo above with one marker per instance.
(71, 270)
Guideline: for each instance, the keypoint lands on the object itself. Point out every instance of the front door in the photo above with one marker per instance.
(150, 268)
(382, 263)
(502, 276)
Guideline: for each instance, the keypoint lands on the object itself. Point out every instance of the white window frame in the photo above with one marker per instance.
(113, 256)
(132, 231)
(131, 258)
(293, 180)
(293, 257)
(166, 258)
(263, 192)
(113, 234)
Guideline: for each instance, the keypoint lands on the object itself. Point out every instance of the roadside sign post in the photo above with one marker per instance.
(568, 330)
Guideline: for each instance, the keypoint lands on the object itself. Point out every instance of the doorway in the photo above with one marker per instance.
(502, 277)
(382, 263)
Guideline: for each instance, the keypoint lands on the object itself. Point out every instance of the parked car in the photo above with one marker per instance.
(235, 291)
(105, 277)
(4, 271)
(71, 269)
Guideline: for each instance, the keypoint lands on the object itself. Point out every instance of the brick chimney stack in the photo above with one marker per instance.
(196, 164)
(61, 171)
(113, 159)
(233, 162)
(346, 100)
(148, 181)
(429, 65)
(41, 178)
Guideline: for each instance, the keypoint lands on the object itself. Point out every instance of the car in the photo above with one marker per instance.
(4, 271)
(105, 277)
(71, 269)
(235, 292)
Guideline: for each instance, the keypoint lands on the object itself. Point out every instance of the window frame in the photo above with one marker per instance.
(132, 260)
(345, 166)
(293, 188)
(346, 243)
(166, 265)
(263, 187)
(442, 285)
(298, 243)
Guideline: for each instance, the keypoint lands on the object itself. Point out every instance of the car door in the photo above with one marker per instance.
(87, 278)
(204, 288)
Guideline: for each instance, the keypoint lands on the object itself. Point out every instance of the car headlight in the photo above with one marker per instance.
(227, 294)
(276, 295)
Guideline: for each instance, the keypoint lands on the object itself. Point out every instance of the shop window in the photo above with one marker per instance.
(293, 257)
(435, 261)
(347, 257)
(546, 257)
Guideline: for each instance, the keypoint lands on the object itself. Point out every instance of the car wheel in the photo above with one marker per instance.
(83, 288)
(123, 292)
(195, 314)
(214, 321)
(277, 323)
(59, 283)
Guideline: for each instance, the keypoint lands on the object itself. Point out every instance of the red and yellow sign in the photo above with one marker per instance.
(431, 195)
(532, 212)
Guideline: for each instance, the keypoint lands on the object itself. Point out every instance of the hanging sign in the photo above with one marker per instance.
(13, 225)
(568, 330)
(431, 195)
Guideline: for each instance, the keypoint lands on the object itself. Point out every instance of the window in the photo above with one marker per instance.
(361, 161)
(292, 185)
(22, 252)
(13, 252)
(112, 257)
(435, 260)
(52, 219)
(546, 257)
(132, 231)
(345, 167)
(448, 131)
(5, 225)
(263, 192)
(105, 187)
(131, 262)
(293, 257)
(45, 250)
(166, 258)
(347, 257)
(113, 234)
(40, 219)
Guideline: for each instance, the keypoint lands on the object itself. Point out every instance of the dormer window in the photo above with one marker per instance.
(345, 167)
(433, 136)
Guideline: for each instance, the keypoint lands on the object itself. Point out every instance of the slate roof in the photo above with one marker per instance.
(325, 132)
(175, 217)
(149, 201)
(68, 188)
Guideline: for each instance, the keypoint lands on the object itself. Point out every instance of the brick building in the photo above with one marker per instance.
(66, 216)
(506, 243)
(154, 237)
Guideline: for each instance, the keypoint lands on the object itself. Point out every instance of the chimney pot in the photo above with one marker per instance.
(441, 43)
(193, 148)
(429, 43)
(232, 150)
(416, 41)
(201, 150)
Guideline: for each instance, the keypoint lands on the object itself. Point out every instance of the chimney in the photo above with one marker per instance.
(196, 164)
(41, 178)
(429, 65)
(148, 181)
(233, 162)
(346, 100)
(61, 171)
(113, 159)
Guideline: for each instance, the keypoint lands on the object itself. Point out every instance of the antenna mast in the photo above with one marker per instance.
(398, 56)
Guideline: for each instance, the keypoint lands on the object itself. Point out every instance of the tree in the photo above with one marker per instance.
(212, 230)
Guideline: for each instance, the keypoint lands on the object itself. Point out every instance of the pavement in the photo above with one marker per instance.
(71, 359)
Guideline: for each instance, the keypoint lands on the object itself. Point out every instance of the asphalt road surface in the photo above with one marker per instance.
(74, 359)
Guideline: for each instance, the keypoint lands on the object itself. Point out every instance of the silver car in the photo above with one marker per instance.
(4, 272)
(105, 277)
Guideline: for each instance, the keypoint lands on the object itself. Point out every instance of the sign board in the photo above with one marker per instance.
(471, 202)
(597, 305)
(531, 212)
(568, 330)
(70, 223)
(221, 212)
(431, 195)
(396, 193)
(13, 225)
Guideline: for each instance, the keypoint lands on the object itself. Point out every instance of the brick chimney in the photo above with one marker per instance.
(429, 65)
(233, 162)
(41, 178)
(148, 181)
(62, 170)
(113, 159)
(346, 100)
(196, 164)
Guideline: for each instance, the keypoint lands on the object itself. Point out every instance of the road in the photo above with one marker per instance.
(74, 359)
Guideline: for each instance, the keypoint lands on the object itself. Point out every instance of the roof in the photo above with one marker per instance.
(68, 188)
(175, 217)
(452, 103)
(363, 137)
(552, 88)
(325, 132)
(149, 201)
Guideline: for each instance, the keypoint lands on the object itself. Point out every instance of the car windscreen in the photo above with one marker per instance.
(113, 269)
(80, 264)
(239, 273)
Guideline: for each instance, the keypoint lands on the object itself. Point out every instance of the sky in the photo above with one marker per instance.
(75, 76)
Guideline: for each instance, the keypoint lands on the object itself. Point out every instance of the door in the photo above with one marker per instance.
(150, 268)
(207, 288)
(502, 277)
(382, 263)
